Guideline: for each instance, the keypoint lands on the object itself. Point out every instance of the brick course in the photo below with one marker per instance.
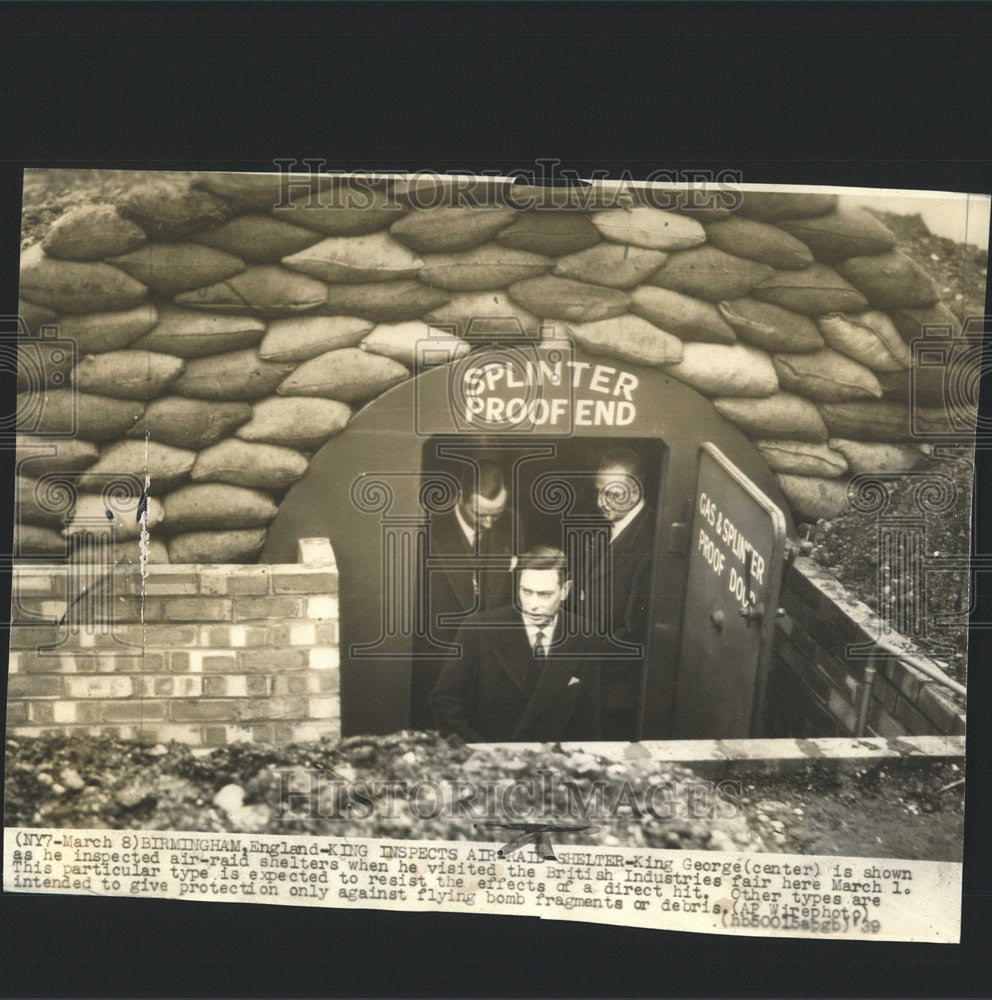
(205, 655)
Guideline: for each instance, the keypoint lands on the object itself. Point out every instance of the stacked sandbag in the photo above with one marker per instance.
(220, 331)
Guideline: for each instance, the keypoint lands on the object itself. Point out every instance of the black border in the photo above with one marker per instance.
(887, 95)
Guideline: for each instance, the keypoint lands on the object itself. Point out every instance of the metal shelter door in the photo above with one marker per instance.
(736, 554)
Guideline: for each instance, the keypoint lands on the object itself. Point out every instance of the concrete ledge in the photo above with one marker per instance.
(760, 754)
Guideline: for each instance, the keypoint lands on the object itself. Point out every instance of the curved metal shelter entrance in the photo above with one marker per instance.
(375, 489)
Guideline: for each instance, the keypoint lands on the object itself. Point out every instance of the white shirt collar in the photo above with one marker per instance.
(618, 526)
(548, 630)
(468, 532)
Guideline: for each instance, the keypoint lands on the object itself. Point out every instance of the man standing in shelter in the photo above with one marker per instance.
(468, 570)
(616, 589)
(524, 674)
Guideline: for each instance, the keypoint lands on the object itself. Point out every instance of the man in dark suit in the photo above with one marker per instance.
(616, 590)
(468, 570)
(524, 673)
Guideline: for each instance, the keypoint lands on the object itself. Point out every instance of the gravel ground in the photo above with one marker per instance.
(898, 809)
(848, 547)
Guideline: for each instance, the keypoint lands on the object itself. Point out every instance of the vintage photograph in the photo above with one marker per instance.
(593, 516)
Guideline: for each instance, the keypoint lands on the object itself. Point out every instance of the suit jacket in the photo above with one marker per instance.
(624, 578)
(448, 587)
(498, 691)
(450, 584)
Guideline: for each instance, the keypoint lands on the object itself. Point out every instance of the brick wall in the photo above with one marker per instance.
(202, 654)
(816, 681)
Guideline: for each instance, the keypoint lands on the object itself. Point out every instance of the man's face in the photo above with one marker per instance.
(617, 492)
(481, 514)
(541, 592)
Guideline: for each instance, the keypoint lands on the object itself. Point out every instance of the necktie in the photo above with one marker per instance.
(482, 538)
(540, 650)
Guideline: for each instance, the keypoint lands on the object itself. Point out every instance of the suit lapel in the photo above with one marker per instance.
(512, 651)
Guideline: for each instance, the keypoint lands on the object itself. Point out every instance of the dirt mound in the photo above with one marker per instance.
(413, 785)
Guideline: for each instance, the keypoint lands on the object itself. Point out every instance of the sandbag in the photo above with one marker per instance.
(77, 287)
(42, 363)
(94, 512)
(562, 298)
(33, 316)
(770, 206)
(239, 375)
(650, 228)
(813, 498)
(127, 374)
(757, 241)
(720, 370)
(214, 547)
(704, 201)
(109, 331)
(34, 540)
(708, 273)
(781, 415)
(38, 455)
(264, 289)
(628, 338)
(425, 190)
(171, 268)
(931, 385)
(827, 376)
(342, 211)
(682, 315)
(890, 280)
(295, 422)
(415, 343)
(124, 552)
(258, 239)
(91, 232)
(444, 230)
(913, 323)
(839, 235)
(256, 190)
(303, 337)
(802, 458)
(875, 420)
(869, 337)
(170, 210)
(488, 266)
(190, 333)
(864, 457)
(348, 375)
(528, 197)
(166, 466)
(66, 411)
(243, 463)
(814, 290)
(770, 327)
(552, 234)
(383, 302)
(476, 316)
(190, 423)
(43, 502)
(376, 257)
(610, 264)
(215, 507)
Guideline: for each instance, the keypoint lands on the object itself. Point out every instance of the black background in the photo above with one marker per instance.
(869, 95)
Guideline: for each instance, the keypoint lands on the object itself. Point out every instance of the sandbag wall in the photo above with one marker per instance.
(222, 332)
